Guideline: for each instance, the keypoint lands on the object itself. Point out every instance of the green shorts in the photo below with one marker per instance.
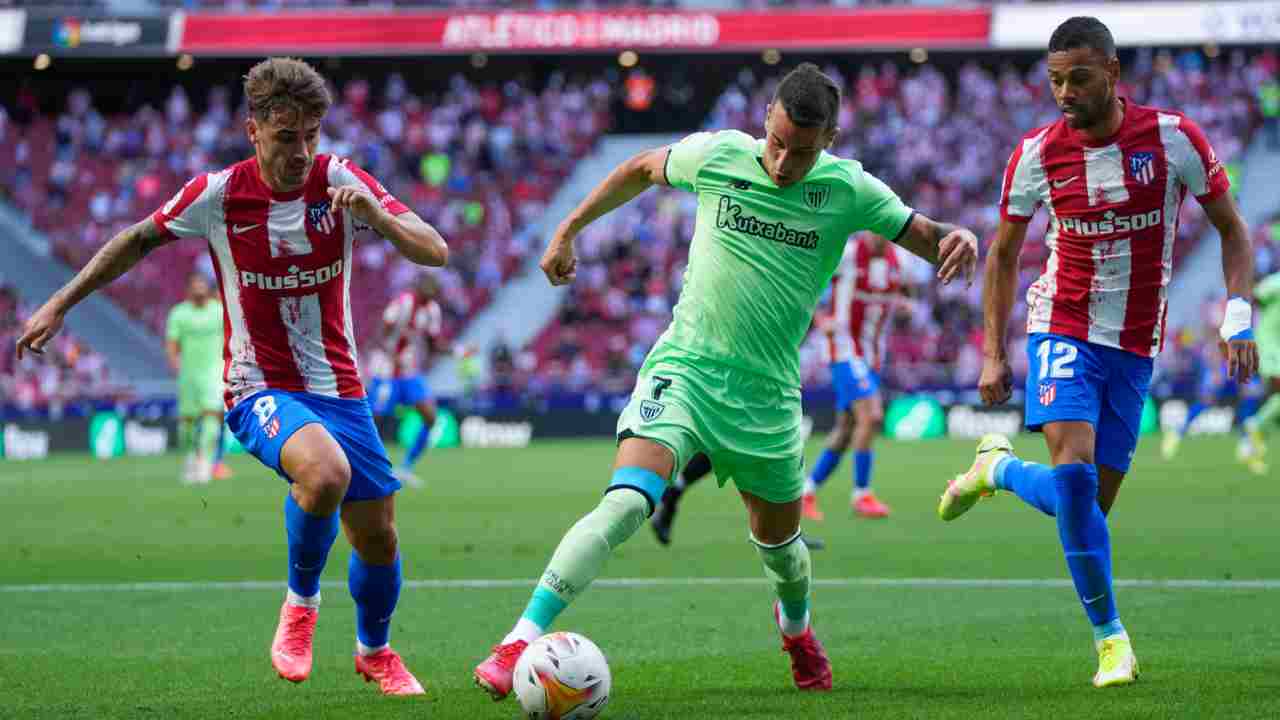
(200, 393)
(747, 424)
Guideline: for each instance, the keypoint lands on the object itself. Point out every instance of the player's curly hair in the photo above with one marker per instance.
(1083, 32)
(810, 97)
(279, 82)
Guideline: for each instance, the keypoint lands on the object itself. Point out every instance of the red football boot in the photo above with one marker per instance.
(388, 669)
(494, 674)
(869, 506)
(291, 648)
(809, 663)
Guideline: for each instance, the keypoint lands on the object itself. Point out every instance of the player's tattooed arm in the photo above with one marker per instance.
(622, 185)
(111, 261)
(999, 287)
(953, 249)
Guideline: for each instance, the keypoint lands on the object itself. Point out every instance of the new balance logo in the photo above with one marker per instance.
(740, 184)
(238, 229)
(1059, 184)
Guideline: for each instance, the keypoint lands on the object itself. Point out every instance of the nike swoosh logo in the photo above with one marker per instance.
(237, 229)
(298, 567)
(1090, 601)
(1059, 184)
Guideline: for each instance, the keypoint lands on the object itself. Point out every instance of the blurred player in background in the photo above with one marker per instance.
(1216, 387)
(724, 379)
(410, 321)
(193, 342)
(280, 227)
(1266, 419)
(1112, 175)
(863, 294)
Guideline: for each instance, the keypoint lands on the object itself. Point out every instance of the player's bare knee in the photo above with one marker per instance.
(324, 478)
(377, 545)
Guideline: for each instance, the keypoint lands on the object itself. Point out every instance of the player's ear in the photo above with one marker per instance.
(831, 137)
(1113, 70)
(251, 128)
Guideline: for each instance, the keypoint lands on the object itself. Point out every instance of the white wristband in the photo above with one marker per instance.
(1237, 321)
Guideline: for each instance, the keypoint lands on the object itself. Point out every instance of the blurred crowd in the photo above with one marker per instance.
(70, 370)
(941, 141)
(276, 5)
(479, 161)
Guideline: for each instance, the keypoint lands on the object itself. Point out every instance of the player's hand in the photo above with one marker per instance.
(958, 256)
(558, 262)
(996, 383)
(357, 200)
(40, 329)
(1242, 359)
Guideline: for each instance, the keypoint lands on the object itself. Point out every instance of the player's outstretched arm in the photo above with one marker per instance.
(953, 249)
(114, 259)
(1237, 269)
(1000, 284)
(625, 182)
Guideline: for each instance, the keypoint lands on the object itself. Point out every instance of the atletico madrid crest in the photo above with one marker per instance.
(1142, 166)
(1048, 393)
(319, 217)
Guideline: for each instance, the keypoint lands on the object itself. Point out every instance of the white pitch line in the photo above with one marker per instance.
(1169, 584)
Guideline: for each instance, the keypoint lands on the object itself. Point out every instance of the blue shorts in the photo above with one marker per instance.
(853, 381)
(386, 393)
(265, 421)
(1076, 380)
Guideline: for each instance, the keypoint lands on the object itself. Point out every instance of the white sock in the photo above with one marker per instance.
(366, 651)
(792, 628)
(810, 487)
(525, 629)
(294, 598)
(860, 493)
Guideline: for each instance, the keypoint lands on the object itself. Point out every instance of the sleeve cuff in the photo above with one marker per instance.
(1014, 217)
(903, 230)
(1213, 194)
(162, 222)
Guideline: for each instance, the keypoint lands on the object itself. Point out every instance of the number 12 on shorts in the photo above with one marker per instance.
(1055, 358)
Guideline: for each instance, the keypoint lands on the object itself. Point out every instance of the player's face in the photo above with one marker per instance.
(1084, 85)
(790, 150)
(285, 144)
(198, 290)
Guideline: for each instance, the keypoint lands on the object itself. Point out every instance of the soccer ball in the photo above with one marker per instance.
(562, 676)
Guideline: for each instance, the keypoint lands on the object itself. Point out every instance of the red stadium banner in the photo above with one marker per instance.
(316, 33)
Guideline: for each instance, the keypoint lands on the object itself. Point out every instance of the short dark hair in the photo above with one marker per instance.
(1083, 32)
(809, 97)
(278, 83)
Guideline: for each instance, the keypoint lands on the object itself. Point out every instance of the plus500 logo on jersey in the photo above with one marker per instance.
(1112, 223)
(295, 280)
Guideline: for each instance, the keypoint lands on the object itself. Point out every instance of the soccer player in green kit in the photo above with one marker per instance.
(1265, 420)
(773, 217)
(193, 339)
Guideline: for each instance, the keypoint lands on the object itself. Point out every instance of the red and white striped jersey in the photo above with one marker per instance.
(863, 292)
(407, 320)
(1113, 214)
(283, 264)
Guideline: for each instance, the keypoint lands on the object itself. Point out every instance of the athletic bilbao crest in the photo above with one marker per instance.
(1048, 393)
(650, 410)
(1142, 166)
(816, 195)
(319, 218)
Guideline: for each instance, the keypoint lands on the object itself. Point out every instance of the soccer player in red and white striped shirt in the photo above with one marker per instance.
(864, 291)
(280, 227)
(1112, 175)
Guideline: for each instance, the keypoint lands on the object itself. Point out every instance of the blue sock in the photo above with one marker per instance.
(1030, 481)
(862, 469)
(419, 446)
(375, 588)
(1193, 412)
(220, 446)
(310, 537)
(1086, 540)
(828, 461)
(543, 608)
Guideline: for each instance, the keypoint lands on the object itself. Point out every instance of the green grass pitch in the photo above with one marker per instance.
(905, 649)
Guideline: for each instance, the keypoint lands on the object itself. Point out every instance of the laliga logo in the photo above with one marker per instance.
(294, 280)
(70, 32)
(66, 33)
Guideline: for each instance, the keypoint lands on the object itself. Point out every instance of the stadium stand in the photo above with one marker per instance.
(479, 161)
(941, 140)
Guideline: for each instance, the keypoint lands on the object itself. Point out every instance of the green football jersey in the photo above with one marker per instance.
(761, 255)
(199, 333)
(1267, 295)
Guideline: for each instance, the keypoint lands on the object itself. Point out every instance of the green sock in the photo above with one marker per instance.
(1267, 416)
(582, 553)
(787, 566)
(208, 436)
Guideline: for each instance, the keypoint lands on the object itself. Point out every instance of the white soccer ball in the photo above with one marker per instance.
(562, 676)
